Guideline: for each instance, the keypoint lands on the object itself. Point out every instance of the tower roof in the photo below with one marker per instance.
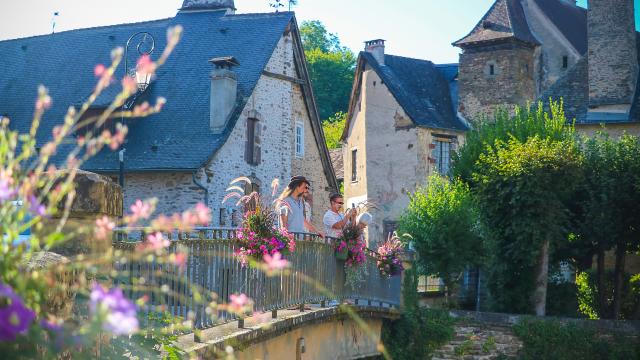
(504, 20)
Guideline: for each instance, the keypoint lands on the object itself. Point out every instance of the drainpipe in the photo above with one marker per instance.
(206, 191)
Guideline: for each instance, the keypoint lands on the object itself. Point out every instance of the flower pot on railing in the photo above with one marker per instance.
(343, 254)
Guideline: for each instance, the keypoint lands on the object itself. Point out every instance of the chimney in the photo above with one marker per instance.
(224, 90)
(613, 58)
(375, 48)
(204, 5)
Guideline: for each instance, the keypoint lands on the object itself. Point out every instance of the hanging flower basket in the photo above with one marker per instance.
(342, 254)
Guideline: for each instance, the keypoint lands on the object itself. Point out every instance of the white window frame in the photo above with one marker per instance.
(299, 142)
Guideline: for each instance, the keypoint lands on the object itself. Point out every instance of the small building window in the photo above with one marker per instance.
(492, 69)
(252, 149)
(299, 139)
(354, 165)
(388, 228)
(222, 220)
(565, 62)
(442, 156)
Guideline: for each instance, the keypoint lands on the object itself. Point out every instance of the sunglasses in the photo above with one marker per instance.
(339, 202)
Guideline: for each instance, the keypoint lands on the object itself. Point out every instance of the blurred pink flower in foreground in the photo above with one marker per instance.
(156, 241)
(240, 304)
(103, 227)
(140, 210)
(275, 262)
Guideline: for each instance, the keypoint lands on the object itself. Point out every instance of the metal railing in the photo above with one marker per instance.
(315, 276)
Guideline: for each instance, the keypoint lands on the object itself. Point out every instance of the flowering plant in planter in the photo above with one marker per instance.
(389, 262)
(259, 235)
(350, 246)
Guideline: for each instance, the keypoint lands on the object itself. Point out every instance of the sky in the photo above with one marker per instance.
(421, 29)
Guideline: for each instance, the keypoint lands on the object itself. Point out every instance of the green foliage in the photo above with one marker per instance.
(331, 68)
(419, 331)
(523, 189)
(333, 128)
(464, 348)
(587, 292)
(489, 345)
(543, 339)
(526, 123)
(442, 222)
(316, 36)
(562, 299)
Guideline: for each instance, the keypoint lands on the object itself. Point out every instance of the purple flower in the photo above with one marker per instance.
(35, 207)
(15, 318)
(6, 191)
(119, 313)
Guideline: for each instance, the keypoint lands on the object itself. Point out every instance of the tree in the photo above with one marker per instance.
(333, 127)
(331, 68)
(315, 36)
(612, 187)
(442, 220)
(523, 188)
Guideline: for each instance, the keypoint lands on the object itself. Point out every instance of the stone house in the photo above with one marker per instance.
(527, 50)
(401, 127)
(239, 102)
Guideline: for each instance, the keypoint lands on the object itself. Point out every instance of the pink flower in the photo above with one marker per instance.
(129, 85)
(140, 210)
(156, 241)
(240, 304)
(99, 69)
(180, 260)
(145, 65)
(203, 214)
(103, 227)
(292, 245)
(275, 262)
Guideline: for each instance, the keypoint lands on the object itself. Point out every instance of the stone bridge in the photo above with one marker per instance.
(308, 311)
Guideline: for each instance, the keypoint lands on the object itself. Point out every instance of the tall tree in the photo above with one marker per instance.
(612, 186)
(523, 188)
(331, 68)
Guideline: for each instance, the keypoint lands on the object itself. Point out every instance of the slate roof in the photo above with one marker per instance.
(178, 138)
(421, 88)
(505, 20)
(570, 19)
(337, 161)
(573, 88)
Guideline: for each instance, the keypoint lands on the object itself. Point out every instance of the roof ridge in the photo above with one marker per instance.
(87, 28)
(265, 13)
(410, 58)
(508, 4)
(495, 3)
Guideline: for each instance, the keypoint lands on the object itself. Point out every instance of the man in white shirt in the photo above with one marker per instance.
(334, 220)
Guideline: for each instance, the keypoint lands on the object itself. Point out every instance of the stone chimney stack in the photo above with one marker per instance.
(375, 48)
(224, 92)
(203, 5)
(613, 58)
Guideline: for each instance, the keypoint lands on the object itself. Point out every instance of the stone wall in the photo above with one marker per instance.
(512, 83)
(175, 191)
(613, 60)
(310, 165)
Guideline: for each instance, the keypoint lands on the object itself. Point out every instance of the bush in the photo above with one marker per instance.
(419, 331)
(543, 339)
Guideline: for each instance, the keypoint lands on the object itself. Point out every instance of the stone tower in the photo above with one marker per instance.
(613, 59)
(497, 62)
